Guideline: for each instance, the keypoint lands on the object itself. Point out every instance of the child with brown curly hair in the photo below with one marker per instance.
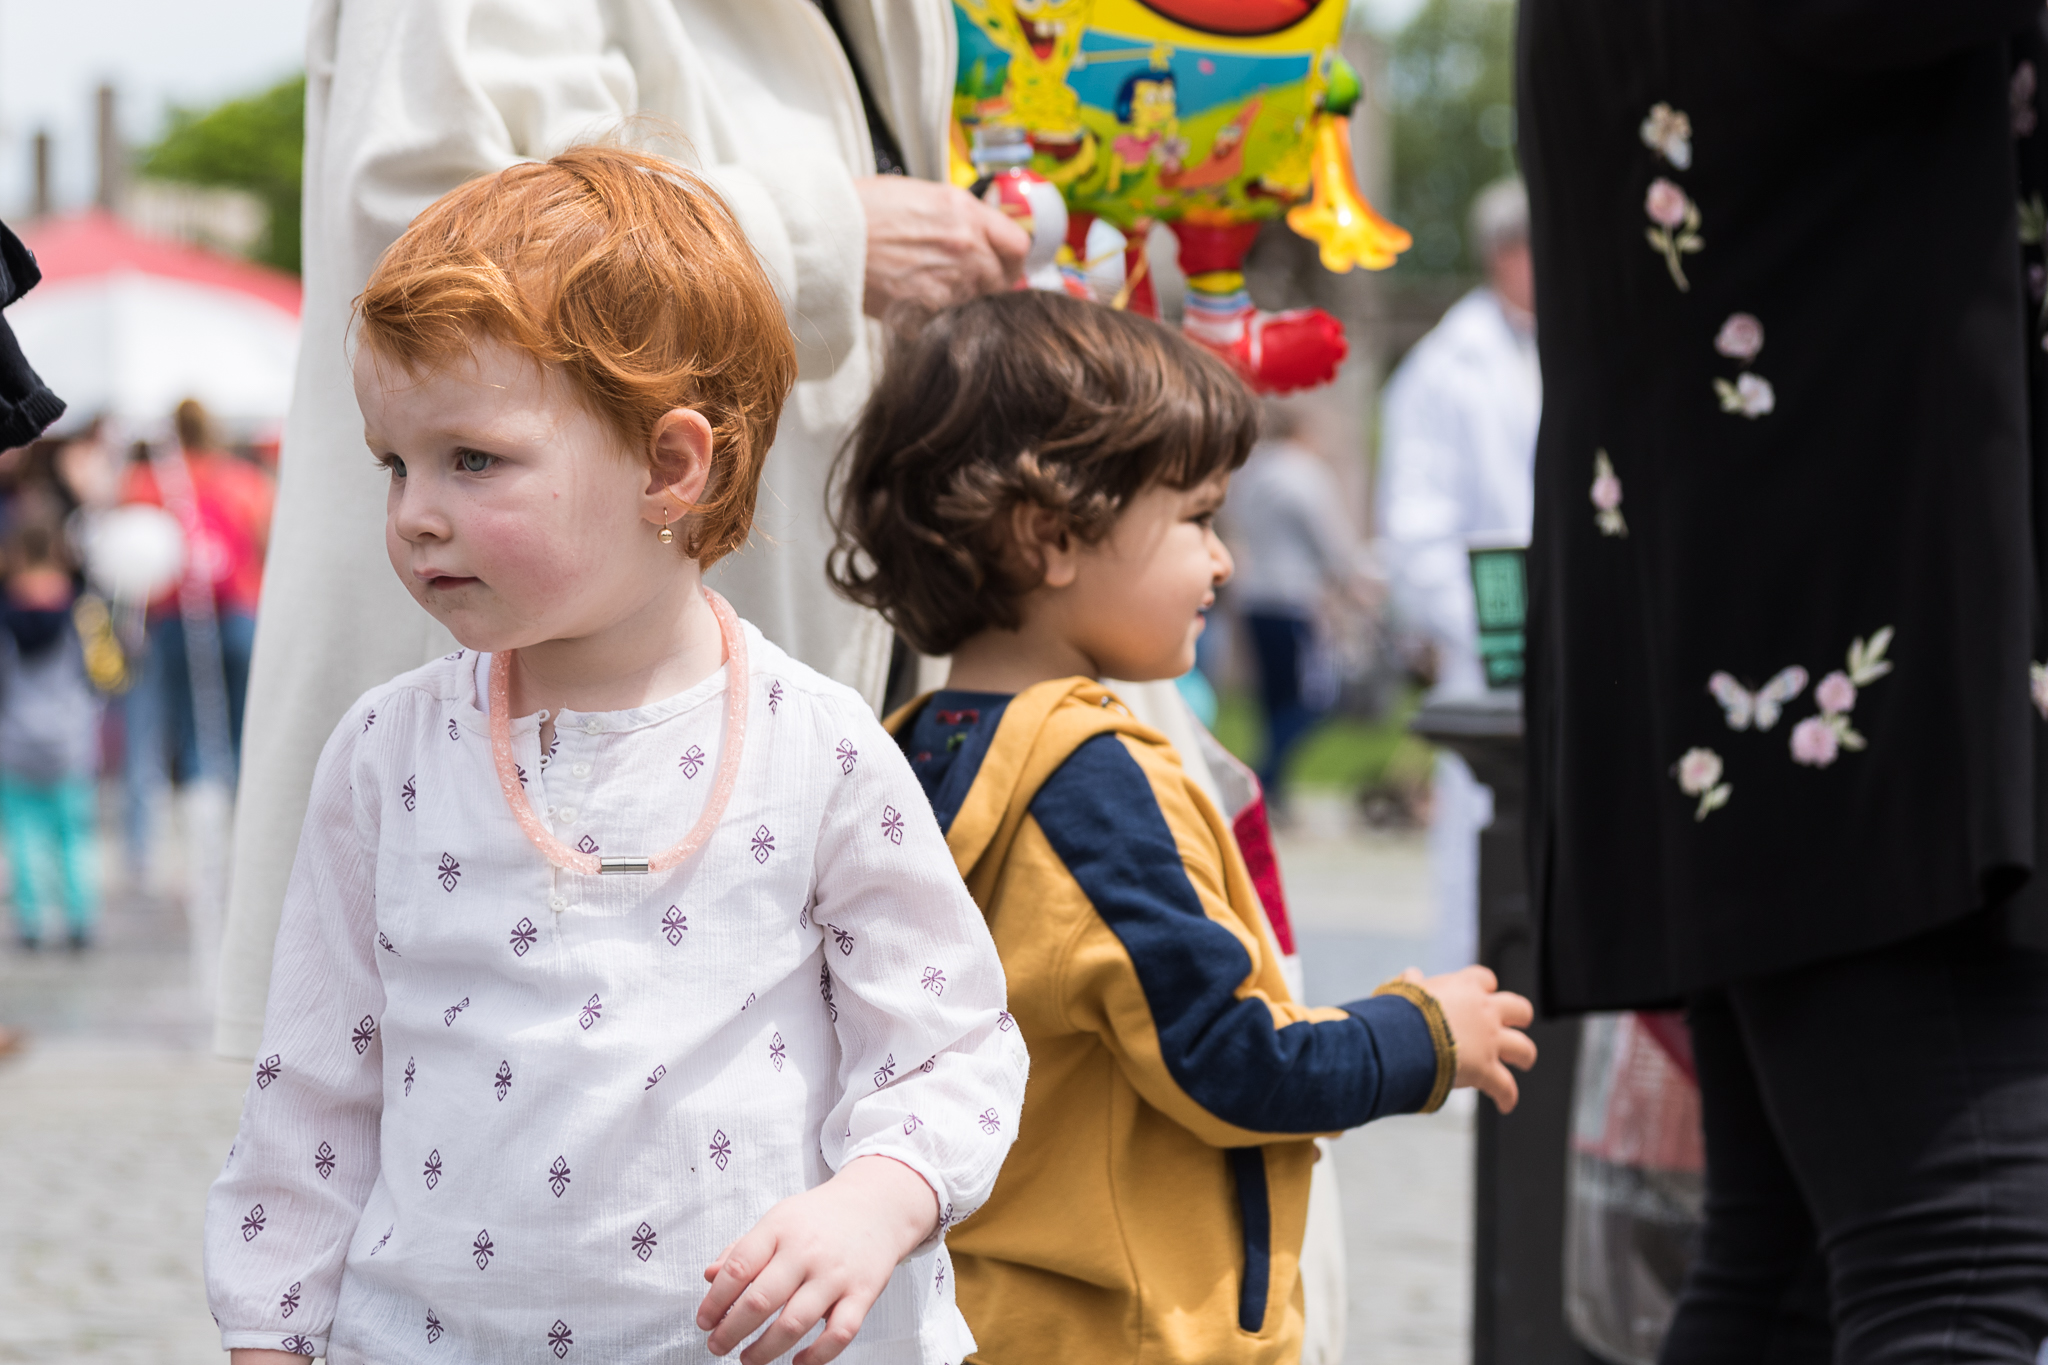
(621, 953)
(1031, 491)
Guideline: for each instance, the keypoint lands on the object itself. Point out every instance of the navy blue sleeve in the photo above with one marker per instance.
(1099, 814)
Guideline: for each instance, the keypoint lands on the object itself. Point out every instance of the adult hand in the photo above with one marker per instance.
(1487, 1024)
(825, 1254)
(931, 246)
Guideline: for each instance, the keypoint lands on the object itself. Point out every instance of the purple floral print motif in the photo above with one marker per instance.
(365, 1031)
(410, 792)
(483, 1249)
(368, 721)
(524, 936)
(843, 939)
(912, 1124)
(252, 1223)
(453, 731)
(520, 773)
(268, 1071)
(693, 759)
(504, 1080)
(939, 1279)
(928, 1065)
(296, 1345)
(559, 1338)
(432, 1170)
(323, 1161)
(289, 1304)
(746, 1002)
(847, 755)
(384, 1239)
(934, 981)
(803, 916)
(774, 697)
(410, 1072)
(764, 844)
(593, 1010)
(892, 824)
(433, 1328)
(644, 1241)
(1004, 1021)
(448, 1015)
(946, 1218)
(558, 1177)
(825, 989)
(449, 872)
(886, 1072)
(777, 1052)
(586, 845)
(451, 658)
(989, 1122)
(721, 1149)
(385, 944)
(654, 1077)
(673, 925)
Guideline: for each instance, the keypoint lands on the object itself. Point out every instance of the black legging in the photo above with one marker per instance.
(1877, 1161)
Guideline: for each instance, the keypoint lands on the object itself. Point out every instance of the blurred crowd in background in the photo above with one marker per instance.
(132, 570)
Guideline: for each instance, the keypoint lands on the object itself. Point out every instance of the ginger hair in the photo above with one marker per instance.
(628, 275)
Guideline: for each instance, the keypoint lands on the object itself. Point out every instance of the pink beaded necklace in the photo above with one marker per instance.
(589, 864)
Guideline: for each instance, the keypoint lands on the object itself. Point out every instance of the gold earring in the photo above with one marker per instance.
(665, 536)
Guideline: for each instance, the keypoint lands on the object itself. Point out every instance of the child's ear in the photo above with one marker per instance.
(1044, 542)
(679, 459)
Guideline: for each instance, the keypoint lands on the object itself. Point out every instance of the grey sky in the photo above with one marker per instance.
(53, 53)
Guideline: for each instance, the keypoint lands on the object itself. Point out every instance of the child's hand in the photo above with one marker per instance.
(1486, 1023)
(827, 1251)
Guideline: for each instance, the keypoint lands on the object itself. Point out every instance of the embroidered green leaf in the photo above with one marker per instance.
(1866, 658)
(2033, 220)
(1713, 799)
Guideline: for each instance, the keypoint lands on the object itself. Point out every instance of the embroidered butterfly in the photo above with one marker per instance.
(1761, 707)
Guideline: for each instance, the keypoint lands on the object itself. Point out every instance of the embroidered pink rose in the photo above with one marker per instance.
(1740, 337)
(1606, 495)
(1751, 395)
(1836, 694)
(1699, 774)
(1666, 203)
(1676, 234)
(1814, 742)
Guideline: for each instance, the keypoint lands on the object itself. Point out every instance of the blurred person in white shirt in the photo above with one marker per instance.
(1457, 451)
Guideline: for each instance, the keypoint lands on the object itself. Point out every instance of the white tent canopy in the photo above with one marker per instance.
(127, 326)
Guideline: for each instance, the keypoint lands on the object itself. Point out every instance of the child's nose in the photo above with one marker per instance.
(1220, 553)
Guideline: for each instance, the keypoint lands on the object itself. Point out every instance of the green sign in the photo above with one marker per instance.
(1500, 597)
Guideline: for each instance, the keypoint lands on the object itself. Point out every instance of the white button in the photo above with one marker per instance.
(557, 904)
(568, 812)
(581, 770)
(593, 726)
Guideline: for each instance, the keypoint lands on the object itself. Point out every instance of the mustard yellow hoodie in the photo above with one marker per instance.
(1152, 1208)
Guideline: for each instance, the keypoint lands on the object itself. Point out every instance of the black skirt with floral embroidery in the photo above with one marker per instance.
(1786, 689)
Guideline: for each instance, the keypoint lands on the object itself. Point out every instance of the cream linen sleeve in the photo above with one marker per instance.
(933, 1066)
(281, 1214)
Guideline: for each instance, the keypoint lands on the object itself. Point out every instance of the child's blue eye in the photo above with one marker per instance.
(475, 461)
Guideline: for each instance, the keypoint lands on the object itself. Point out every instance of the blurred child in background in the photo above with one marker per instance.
(49, 740)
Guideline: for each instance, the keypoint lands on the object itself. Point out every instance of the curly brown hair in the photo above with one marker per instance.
(1020, 398)
(629, 274)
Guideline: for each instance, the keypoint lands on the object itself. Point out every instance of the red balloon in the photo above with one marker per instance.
(1237, 18)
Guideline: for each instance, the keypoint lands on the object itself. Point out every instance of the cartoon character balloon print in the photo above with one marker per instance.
(1090, 121)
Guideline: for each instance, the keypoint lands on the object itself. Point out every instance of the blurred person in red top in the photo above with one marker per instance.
(228, 531)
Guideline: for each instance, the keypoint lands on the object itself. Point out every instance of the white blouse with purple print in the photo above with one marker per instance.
(506, 1113)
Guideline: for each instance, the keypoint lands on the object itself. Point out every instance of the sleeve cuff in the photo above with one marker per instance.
(948, 1215)
(291, 1343)
(1418, 1056)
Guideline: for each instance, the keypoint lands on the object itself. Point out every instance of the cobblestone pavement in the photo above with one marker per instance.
(115, 1120)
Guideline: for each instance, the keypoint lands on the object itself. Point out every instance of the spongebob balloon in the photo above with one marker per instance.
(1210, 116)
